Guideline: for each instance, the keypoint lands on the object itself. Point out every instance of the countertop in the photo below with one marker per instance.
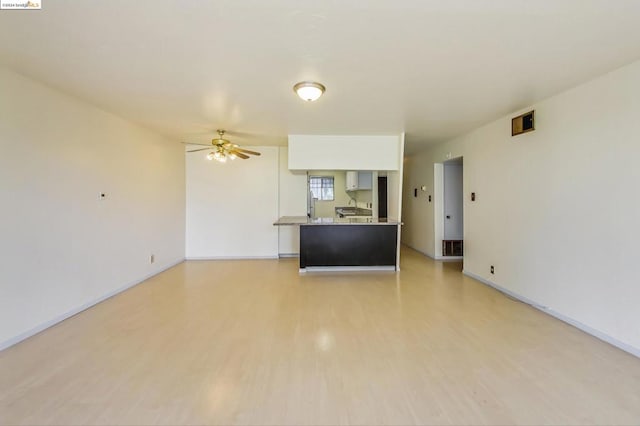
(303, 220)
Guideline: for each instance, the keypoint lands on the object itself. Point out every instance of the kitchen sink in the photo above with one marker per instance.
(352, 211)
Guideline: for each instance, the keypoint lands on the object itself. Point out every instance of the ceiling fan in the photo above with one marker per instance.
(223, 149)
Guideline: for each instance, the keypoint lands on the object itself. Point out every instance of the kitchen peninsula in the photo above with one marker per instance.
(352, 185)
(350, 243)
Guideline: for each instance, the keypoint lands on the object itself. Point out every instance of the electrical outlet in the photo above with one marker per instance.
(152, 258)
(492, 269)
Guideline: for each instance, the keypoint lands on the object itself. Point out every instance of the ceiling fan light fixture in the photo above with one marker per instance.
(309, 90)
(224, 150)
(220, 156)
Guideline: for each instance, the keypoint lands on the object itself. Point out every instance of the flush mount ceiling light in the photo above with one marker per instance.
(309, 90)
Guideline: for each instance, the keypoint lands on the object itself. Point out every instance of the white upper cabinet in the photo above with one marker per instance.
(359, 180)
(352, 181)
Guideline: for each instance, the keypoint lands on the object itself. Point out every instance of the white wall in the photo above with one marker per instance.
(364, 197)
(557, 210)
(61, 249)
(395, 185)
(231, 207)
(292, 189)
(453, 198)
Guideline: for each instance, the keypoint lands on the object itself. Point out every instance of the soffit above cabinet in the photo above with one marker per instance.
(338, 152)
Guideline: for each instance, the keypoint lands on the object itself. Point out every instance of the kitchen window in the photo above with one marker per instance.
(321, 187)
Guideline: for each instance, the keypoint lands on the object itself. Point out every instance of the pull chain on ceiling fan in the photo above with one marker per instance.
(223, 149)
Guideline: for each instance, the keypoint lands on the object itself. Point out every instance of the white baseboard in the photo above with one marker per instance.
(231, 257)
(346, 269)
(441, 258)
(288, 255)
(22, 336)
(420, 251)
(577, 324)
(449, 258)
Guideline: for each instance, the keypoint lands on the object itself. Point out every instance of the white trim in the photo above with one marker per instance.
(346, 269)
(35, 330)
(449, 258)
(231, 257)
(440, 258)
(288, 255)
(424, 253)
(577, 324)
(400, 180)
(438, 208)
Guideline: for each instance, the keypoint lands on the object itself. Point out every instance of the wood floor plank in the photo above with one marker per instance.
(255, 342)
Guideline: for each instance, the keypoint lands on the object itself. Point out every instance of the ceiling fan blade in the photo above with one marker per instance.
(201, 149)
(239, 154)
(194, 143)
(246, 151)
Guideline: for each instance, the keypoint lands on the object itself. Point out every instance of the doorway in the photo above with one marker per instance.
(450, 203)
(382, 197)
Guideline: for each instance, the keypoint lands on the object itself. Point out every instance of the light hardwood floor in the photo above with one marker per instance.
(254, 342)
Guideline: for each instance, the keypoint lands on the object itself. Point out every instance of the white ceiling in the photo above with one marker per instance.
(433, 69)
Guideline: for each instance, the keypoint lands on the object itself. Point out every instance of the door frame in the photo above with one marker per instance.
(438, 208)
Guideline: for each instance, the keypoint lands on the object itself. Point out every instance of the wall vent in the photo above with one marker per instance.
(523, 123)
(452, 248)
